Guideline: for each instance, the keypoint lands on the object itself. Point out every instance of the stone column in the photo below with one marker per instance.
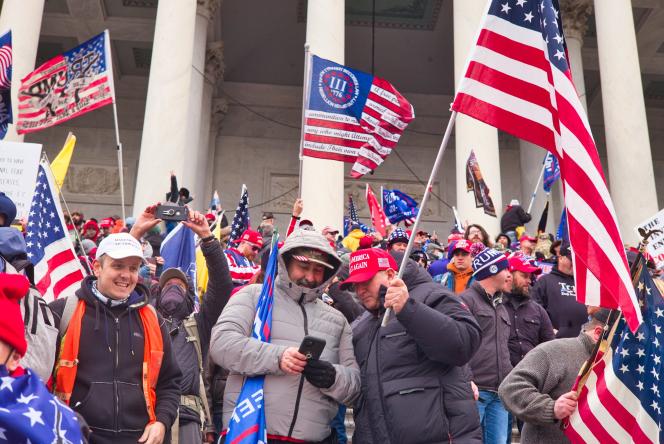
(323, 180)
(471, 133)
(575, 23)
(631, 176)
(24, 19)
(219, 111)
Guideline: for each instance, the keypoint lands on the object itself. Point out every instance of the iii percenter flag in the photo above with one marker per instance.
(518, 80)
(352, 116)
(71, 84)
(475, 183)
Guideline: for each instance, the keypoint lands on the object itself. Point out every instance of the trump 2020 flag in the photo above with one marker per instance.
(247, 424)
(551, 171)
(68, 85)
(399, 206)
(179, 251)
(352, 116)
(30, 414)
(5, 82)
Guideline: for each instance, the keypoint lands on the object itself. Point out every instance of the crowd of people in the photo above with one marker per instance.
(485, 336)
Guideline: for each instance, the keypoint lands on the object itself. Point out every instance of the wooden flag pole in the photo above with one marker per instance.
(425, 198)
(305, 103)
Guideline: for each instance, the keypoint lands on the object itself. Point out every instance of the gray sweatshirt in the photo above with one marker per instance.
(532, 387)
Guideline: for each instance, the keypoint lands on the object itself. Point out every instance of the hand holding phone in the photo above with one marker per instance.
(312, 347)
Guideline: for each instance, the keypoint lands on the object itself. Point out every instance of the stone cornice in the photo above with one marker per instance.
(214, 61)
(208, 8)
(575, 17)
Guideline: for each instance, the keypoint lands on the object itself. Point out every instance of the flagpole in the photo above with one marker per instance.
(532, 196)
(425, 198)
(305, 103)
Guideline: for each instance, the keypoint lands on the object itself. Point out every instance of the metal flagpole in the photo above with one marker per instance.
(305, 105)
(532, 196)
(425, 198)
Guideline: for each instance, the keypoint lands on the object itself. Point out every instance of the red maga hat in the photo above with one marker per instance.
(252, 237)
(523, 263)
(364, 264)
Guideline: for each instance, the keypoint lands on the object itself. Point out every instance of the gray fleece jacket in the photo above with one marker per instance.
(531, 389)
(294, 408)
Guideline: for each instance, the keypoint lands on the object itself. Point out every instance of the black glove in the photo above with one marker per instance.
(320, 373)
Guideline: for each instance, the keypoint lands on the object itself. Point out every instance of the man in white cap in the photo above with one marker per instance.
(115, 366)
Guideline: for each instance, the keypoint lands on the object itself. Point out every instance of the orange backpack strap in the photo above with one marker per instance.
(67, 363)
(153, 354)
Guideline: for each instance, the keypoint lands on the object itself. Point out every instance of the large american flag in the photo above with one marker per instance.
(68, 85)
(518, 79)
(5, 82)
(352, 116)
(241, 219)
(622, 398)
(57, 269)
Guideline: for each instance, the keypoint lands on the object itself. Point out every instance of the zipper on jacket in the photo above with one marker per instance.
(299, 388)
(380, 379)
(115, 382)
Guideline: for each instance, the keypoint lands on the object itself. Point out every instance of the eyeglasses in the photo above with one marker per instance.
(255, 249)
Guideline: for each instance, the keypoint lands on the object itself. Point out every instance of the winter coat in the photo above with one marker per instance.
(108, 390)
(531, 389)
(454, 278)
(294, 408)
(413, 388)
(514, 217)
(530, 325)
(491, 363)
(556, 292)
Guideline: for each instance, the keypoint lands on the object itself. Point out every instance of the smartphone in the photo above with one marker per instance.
(312, 347)
(171, 212)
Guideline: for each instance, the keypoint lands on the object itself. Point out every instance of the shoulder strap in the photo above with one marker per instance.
(67, 313)
(191, 327)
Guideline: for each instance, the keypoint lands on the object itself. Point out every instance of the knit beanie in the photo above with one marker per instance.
(489, 262)
(398, 235)
(7, 208)
(12, 288)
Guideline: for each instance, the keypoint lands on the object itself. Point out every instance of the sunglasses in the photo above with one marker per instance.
(255, 249)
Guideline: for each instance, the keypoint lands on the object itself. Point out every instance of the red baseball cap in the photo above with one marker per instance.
(252, 237)
(528, 238)
(523, 263)
(461, 244)
(364, 264)
(106, 223)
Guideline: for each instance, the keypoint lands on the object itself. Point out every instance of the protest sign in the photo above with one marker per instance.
(656, 242)
(18, 173)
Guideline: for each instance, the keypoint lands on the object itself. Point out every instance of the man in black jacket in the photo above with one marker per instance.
(556, 292)
(413, 388)
(110, 387)
(513, 217)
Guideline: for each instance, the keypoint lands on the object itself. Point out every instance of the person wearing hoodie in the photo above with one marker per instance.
(7, 210)
(174, 301)
(116, 366)
(300, 396)
(459, 275)
(414, 389)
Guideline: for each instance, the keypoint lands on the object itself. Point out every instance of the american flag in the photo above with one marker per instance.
(5, 82)
(622, 398)
(519, 80)
(68, 85)
(241, 219)
(352, 116)
(57, 269)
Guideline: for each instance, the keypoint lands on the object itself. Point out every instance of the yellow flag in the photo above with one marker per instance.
(60, 164)
(201, 272)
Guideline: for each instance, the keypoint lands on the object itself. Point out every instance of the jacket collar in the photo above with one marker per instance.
(494, 300)
(138, 298)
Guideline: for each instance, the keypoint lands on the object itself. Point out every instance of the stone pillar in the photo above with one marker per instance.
(631, 176)
(219, 111)
(323, 180)
(471, 133)
(24, 19)
(575, 23)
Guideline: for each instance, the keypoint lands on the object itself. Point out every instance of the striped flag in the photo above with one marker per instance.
(57, 269)
(352, 116)
(68, 85)
(518, 79)
(620, 400)
(241, 219)
(5, 82)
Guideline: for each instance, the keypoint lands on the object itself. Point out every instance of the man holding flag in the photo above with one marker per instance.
(300, 397)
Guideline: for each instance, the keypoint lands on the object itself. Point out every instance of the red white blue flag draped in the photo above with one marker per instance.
(68, 85)
(352, 116)
(518, 79)
(241, 219)
(5, 82)
(247, 424)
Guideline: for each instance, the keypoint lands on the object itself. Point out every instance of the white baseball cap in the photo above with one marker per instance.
(119, 246)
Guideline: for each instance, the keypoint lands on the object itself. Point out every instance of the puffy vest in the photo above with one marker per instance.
(153, 353)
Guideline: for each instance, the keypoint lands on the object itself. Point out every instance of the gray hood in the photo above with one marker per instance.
(305, 239)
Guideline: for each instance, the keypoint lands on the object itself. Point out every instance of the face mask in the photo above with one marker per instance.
(174, 302)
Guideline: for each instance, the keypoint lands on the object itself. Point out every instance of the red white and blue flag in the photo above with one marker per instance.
(352, 116)
(58, 271)
(551, 172)
(247, 424)
(241, 219)
(5, 82)
(519, 80)
(68, 85)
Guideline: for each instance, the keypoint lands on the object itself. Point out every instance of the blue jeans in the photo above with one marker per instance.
(493, 418)
(338, 423)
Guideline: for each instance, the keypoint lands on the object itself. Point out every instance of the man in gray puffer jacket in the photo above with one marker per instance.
(301, 397)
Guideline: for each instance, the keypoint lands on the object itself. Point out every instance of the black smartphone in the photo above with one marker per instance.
(171, 212)
(312, 347)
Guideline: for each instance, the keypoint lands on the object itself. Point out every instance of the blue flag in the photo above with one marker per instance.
(562, 232)
(353, 219)
(247, 424)
(29, 413)
(399, 207)
(5, 82)
(179, 251)
(551, 171)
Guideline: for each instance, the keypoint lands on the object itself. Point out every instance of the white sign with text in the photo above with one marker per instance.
(18, 173)
(656, 241)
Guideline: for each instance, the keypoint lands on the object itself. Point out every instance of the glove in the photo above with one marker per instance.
(320, 373)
